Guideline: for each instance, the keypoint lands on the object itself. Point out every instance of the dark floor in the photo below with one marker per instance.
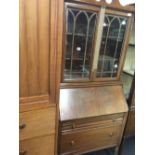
(127, 149)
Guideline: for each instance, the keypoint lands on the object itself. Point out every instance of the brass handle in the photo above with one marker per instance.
(111, 134)
(23, 153)
(72, 143)
(22, 126)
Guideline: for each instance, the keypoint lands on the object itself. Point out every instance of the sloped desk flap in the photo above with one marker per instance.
(77, 103)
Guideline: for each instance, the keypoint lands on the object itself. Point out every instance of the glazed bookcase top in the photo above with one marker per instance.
(95, 40)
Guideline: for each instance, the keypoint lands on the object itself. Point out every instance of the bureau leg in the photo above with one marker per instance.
(116, 150)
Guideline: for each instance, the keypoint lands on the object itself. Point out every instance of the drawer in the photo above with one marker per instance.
(110, 120)
(37, 146)
(37, 123)
(84, 140)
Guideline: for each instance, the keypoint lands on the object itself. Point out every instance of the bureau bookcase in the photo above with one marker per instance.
(93, 108)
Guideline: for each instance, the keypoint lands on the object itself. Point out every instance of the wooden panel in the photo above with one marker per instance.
(89, 139)
(34, 47)
(90, 84)
(95, 101)
(34, 99)
(56, 46)
(38, 122)
(43, 43)
(38, 146)
(22, 51)
(130, 124)
(34, 106)
(34, 102)
(53, 45)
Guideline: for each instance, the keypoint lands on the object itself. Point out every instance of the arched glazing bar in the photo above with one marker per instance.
(86, 46)
(116, 20)
(82, 15)
(112, 41)
(79, 31)
(115, 64)
(107, 24)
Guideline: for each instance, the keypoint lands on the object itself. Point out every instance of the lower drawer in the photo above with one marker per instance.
(83, 140)
(38, 146)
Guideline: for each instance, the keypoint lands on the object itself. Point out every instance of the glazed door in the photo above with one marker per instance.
(95, 40)
(113, 36)
(80, 27)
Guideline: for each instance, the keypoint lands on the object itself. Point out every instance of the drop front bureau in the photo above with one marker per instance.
(93, 109)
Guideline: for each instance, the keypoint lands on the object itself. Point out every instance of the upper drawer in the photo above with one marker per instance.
(37, 123)
(105, 121)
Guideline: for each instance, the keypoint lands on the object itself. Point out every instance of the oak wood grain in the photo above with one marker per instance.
(89, 139)
(59, 6)
(43, 44)
(109, 120)
(40, 59)
(37, 123)
(34, 102)
(38, 146)
(40, 48)
(23, 90)
(90, 102)
(34, 98)
(32, 46)
(35, 106)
